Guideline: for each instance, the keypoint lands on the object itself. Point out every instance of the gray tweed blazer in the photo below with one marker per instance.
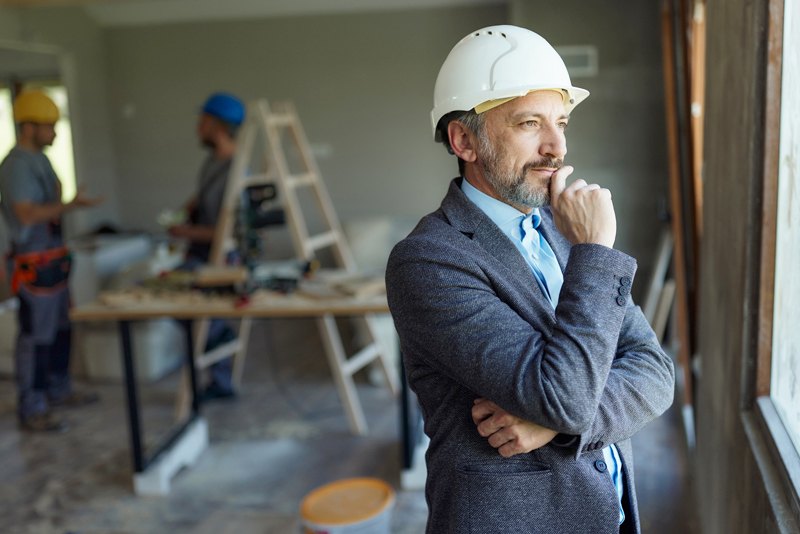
(473, 323)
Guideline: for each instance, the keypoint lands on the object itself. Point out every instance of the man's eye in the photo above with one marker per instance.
(530, 123)
(563, 125)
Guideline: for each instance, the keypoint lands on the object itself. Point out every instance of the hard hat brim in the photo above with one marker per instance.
(572, 97)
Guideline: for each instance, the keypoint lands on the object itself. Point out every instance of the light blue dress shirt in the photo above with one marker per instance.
(522, 230)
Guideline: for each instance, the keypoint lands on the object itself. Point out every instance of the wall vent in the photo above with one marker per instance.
(581, 60)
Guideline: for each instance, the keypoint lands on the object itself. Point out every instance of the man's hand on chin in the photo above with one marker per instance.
(508, 433)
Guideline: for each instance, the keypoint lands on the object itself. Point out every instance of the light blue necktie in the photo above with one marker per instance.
(541, 258)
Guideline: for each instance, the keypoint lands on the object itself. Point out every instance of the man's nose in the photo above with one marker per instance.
(554, 143)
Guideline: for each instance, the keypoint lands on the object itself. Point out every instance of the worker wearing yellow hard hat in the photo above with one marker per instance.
(39, 264)
(35, 107)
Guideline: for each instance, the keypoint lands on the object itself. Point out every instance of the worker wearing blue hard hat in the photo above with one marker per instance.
(226, 107)
(219, 121)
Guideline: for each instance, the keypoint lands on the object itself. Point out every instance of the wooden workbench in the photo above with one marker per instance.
(154, 469)
(278, 306)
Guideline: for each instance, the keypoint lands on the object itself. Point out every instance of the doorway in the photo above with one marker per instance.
(22, 69)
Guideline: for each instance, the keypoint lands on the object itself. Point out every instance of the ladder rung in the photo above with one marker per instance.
(280, 119)
(360, 359)
(299, 180)
(258, 179)
(321, 240)
(217, 354)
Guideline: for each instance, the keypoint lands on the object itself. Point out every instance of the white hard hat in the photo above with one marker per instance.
(493, 65)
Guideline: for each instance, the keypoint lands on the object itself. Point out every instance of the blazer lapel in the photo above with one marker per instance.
(557, 242)
(470, 220)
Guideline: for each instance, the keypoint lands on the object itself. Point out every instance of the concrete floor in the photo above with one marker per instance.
(286, 435)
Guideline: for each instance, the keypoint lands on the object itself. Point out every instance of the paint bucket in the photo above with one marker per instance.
(349, 506)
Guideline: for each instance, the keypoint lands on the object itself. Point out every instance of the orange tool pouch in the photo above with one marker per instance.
(46, 269)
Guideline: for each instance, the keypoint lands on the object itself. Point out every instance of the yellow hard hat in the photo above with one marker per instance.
(35, 106)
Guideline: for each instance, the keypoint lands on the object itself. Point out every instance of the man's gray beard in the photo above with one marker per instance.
(512, 189)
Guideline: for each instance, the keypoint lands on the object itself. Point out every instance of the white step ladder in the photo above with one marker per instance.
(273, 121)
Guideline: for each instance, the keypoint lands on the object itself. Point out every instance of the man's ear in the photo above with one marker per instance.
(219, 127)
(27, 129)
(462, 141)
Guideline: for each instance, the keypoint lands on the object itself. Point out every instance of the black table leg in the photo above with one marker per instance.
(140, 459)
(411, 419)
(133, 401)
(187, 325)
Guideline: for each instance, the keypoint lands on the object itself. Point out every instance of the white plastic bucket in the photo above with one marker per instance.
(349, 506)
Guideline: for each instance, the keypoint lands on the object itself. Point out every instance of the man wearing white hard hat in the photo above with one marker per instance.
(532, 366)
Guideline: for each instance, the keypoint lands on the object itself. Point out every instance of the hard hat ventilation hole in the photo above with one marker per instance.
(571, 100)
(501, 33)
(490, 33)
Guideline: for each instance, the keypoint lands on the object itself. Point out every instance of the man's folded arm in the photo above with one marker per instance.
(640, 387)
(448, 313)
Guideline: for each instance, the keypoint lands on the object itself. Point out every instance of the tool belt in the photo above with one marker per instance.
(45, 269)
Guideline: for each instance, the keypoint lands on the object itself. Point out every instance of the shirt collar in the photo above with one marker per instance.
(499, 212)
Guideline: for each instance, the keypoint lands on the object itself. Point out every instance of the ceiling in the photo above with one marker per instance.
(145, 12)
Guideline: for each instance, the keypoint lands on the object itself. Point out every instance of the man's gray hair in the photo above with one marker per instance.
(472, 121)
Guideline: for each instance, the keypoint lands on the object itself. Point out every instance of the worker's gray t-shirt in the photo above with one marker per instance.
(28, 176)
(210, 191)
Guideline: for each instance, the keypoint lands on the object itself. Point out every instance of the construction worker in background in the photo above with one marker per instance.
(217, 126)
(38, 266)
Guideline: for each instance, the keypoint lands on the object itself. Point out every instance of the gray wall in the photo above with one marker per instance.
(10, 23)
(617, 136)
(25, 63)
(362, 84)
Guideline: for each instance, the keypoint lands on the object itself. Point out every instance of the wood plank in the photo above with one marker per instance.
(698, 93)
(323, 240)
(337, 361)
(219, 353)
(359, 360)
(769, 214)
(665, 303)
(291, 306)
(300, 180)
(658, 277)
(679, 254)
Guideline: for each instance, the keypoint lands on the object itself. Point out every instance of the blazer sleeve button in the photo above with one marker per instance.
(621, 300)
(625, 281)
(601, 466)
(624, 290)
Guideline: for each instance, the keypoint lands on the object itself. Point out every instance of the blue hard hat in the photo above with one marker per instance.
(225, 106)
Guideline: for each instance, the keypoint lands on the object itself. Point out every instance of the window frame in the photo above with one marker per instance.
(767, 424)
